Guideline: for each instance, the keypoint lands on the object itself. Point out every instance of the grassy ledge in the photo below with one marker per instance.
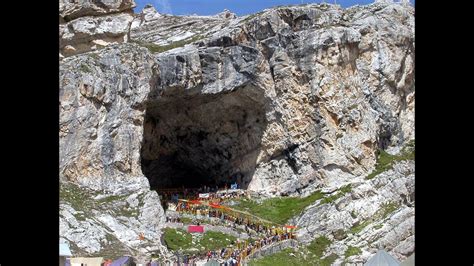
(278, 210)
(309, 255)
(385, 160)
(154, 48)
(178, 239)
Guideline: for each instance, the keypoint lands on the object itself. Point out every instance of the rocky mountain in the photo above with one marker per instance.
(290, 100)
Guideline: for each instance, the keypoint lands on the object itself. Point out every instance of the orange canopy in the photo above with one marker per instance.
(290, 226)
(213, 205)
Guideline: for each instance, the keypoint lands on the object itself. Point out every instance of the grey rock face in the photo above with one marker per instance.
(91, 33)
(286, 102)
(89, 25)
(325, 100)
(102, 110)
(109, 224)
(375, 214)
(69, 10)
(151, 27)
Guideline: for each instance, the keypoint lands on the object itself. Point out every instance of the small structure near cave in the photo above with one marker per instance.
(382, 258)
(123, 261)
(64, 253)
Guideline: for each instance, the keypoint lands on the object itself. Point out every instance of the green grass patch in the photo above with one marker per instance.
(385, 160)
(359, 227)
(377, 227)
(127, 212)
(278, 210)
(186, 220)
(339, 194)
(112, 198)
(329, 260)
(177, 239)
(309, 255)
(319, 245)
(216, 240)
(79, 198)
(387, 208)
(282, 258)
(382, 213)
(85, 68)
(351, 251)
(155, 48)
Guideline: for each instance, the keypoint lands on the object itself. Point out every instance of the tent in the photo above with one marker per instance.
(123, 261)
(382, 258)
(196, 229)
(212, 263)
(410, 261)
(64, 250)
(64, 253)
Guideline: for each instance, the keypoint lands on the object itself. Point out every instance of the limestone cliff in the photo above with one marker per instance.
(86, 25)
(290, 100)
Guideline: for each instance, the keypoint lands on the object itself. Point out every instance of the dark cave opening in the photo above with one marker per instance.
(203, 139)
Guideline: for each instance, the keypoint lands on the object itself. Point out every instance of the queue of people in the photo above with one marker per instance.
(205, 204)
(171, 196)
(232, 256)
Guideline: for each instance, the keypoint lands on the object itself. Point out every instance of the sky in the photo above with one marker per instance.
(240, 7)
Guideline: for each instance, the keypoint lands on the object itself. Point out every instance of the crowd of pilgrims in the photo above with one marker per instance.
(216, 194)
(235, 254)
(229, 256)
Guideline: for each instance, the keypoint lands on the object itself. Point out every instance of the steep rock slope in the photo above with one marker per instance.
(290, 100)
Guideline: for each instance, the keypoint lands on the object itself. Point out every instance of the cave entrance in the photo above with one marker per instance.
(200, 140)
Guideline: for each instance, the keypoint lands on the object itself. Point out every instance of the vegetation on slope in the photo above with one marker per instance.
(342, 191)
(278, 210)
(382, 213)
(180, 240)
(177, 239)
(351, 251)
(385, 160)
(309, 255)
(155, 48)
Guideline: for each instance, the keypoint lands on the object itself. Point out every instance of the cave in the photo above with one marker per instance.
(196, 139)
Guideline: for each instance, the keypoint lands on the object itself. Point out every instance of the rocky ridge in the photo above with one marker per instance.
(296, 98)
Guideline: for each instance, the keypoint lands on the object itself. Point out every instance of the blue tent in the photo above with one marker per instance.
(122, 261)
(382, 258)
(64, 250)
(212, 263)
